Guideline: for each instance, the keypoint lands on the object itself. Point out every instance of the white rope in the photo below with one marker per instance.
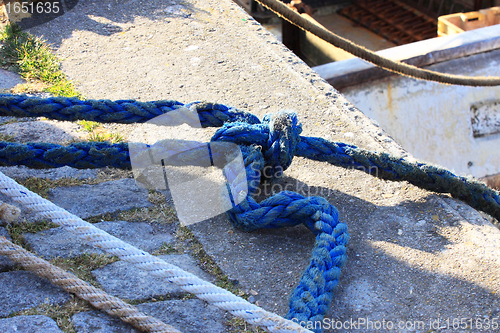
(143, 260)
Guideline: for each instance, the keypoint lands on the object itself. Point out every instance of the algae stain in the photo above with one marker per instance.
(389, 100)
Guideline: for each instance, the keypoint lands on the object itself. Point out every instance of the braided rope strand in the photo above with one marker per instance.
(424, 175)
(81, 155)
(121, 111)
(98, 298)
(311, 299)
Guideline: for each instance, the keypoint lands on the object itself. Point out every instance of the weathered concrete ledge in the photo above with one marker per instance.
(413, 255)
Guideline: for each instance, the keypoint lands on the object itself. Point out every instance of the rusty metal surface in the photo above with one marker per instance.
(436, 8)
(393, 20)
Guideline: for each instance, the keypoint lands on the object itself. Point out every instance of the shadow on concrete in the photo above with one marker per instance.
(396, 269)
(104, 17)
(30, 14)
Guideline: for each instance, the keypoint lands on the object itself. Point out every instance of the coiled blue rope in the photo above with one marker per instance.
(272, 144)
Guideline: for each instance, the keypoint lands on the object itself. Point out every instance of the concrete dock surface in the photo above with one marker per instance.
(417, 261)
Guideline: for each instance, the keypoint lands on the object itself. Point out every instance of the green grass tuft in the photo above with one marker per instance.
(88, 126)
(6, 137)
(105, 137)
(60, 314)
(165, 249)
(31, 57)
(83, 265)
(238, 325)
(16, 230)
(41, 186)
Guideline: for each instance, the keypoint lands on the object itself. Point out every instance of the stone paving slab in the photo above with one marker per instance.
(100, 322)
(29, 324)
(22, 172)
(5, 262)
(123, 280)
(108, 197)
(20, 290)
(59, 242)
(58, 132)
(249, 258)
(189, 316)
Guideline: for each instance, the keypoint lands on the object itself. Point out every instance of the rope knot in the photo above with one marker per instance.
(278, 135)
(284, 136)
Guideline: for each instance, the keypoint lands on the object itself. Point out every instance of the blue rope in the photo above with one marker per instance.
(123, 111)
(82, 155)
(269, 144)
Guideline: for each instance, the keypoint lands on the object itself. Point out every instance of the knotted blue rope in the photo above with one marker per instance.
(239, 126)
(273, 144)
(269, 145)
